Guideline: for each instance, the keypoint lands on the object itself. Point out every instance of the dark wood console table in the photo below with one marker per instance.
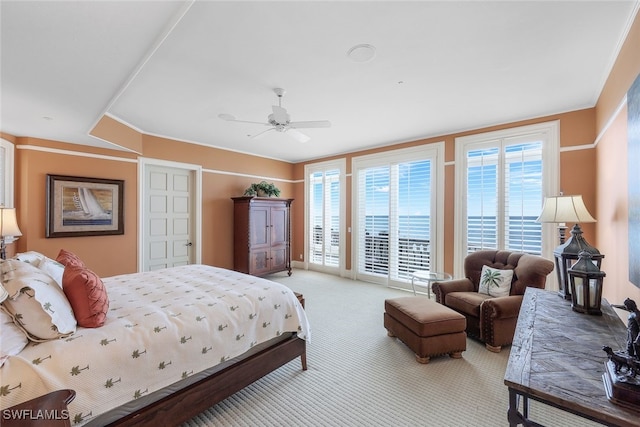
(556, 358)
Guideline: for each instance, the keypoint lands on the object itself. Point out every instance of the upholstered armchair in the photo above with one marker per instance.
(492, 318)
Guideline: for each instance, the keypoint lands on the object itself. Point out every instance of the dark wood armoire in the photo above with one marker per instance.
(262, 235)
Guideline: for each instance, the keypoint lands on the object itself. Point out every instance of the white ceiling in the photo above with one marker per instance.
(169, 68)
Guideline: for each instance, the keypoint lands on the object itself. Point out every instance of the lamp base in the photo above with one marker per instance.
(562, 232)
(3, 249)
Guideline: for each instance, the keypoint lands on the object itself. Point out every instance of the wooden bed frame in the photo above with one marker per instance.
(190, 401)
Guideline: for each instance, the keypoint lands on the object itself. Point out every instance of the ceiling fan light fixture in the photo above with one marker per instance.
(362, 53)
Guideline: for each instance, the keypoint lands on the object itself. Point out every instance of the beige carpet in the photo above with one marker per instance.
(358, 376)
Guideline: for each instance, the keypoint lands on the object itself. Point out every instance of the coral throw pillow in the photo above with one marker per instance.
(87, 295)
(69, 259)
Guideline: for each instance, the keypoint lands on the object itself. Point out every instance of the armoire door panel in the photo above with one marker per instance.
(279, 259)
(259, 227)
(279, 226)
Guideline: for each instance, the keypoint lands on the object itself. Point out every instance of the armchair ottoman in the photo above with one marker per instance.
(426, 327)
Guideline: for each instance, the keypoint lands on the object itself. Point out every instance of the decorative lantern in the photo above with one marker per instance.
(567, 254)
(586, 285)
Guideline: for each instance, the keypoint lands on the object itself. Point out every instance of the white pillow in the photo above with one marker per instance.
(50, 266)
(32, 257)
(53, 268)
(12, 339)
(495, 282)
(35, 302)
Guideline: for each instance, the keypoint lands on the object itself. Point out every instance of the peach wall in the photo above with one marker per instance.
(613, 213)
(106, 255)
(118, 133)
(624, 72)
(225, 174)
(612, 183)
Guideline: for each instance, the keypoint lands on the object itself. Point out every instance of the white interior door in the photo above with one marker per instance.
(169, 217)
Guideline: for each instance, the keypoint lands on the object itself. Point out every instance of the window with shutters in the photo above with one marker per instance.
(505, 176)
(325, 215)
(6, 172)
(397, 210)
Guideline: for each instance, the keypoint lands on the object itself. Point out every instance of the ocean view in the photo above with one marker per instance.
(524, 233)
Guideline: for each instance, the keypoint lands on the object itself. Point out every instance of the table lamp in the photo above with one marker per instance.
(561, 210)
(8, 228)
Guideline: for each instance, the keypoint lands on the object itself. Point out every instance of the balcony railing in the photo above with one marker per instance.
(413, 254)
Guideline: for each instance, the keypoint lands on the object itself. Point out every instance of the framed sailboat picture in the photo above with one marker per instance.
(78, 206)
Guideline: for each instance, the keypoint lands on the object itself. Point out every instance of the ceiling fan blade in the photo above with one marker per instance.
(297, 135)
(311, 124)
(259, 134)
(280, 114)
(231, 118)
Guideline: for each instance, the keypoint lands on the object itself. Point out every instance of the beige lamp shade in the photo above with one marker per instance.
(8, 223)
(569, 209)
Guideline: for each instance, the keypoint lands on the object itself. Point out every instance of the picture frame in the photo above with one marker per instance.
(81, 206)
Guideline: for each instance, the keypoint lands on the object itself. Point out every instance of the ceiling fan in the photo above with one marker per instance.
(280, 121)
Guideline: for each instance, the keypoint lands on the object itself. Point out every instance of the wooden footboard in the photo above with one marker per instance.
(190, 401)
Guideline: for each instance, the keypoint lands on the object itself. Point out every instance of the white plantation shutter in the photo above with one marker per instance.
(331, 217)
(482, 198)
(523, 196)
(324, 214)
(373, 220)
(316, 218)
(411, 210)
(3, 174)
(6, 173)
(503, 178)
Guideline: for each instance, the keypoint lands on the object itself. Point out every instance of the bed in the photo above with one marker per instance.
(174, 342)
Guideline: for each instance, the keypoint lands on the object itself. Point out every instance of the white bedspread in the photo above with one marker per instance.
(162, 326)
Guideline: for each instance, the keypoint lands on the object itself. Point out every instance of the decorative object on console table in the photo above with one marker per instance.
(78, 206)
(9, 230)
(262, 235)
(262, 189)
(567, 209)
(621, 377)
(586, 285)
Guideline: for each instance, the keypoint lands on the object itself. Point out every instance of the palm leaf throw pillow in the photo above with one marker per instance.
(495, 282)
